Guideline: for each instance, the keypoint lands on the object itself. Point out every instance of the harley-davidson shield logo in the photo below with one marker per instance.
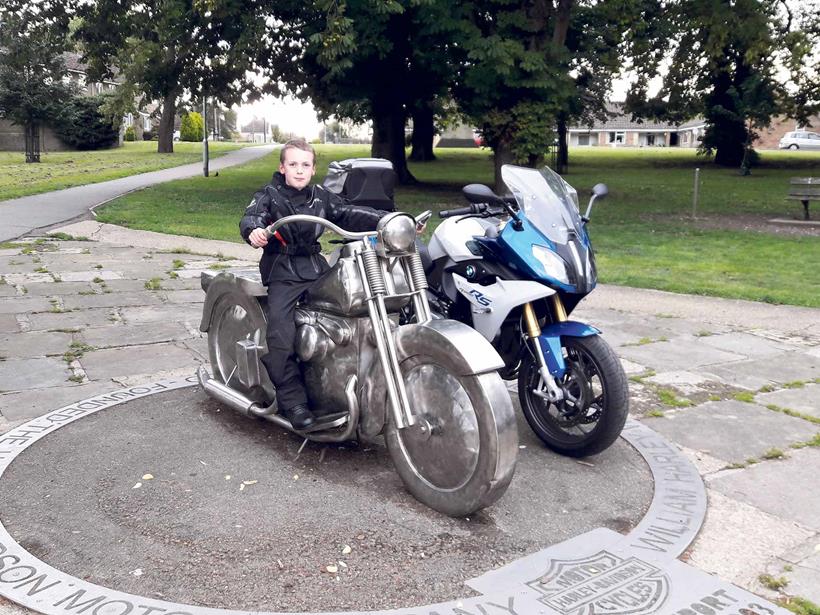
(602, 584)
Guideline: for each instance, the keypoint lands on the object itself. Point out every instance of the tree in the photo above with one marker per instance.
(192, 127)
(83, 125)
(32, 91)
(364, 60)
(731, 61)
(513, 81)
(171, 49)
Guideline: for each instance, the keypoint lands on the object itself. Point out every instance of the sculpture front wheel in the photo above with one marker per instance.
(460, 455)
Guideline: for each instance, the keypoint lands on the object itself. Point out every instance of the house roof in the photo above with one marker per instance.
(73, 62)
(619, 120)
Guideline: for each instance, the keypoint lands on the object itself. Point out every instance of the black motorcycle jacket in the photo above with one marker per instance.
(295, 254)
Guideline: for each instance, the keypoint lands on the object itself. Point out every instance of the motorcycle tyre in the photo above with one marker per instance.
(498, 447)
(615, 406)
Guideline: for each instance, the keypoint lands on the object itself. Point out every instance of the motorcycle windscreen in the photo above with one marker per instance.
(547, 201)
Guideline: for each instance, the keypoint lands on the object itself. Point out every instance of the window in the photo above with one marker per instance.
(616, 137)
(583, 139)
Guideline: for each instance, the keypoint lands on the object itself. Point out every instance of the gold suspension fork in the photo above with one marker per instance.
(553, 392)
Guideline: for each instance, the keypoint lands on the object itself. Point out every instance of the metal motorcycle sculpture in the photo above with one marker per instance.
(431, 387)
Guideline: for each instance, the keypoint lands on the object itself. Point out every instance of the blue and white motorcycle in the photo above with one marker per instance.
(513, 268)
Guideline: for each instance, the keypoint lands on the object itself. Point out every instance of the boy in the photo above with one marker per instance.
(291, 262)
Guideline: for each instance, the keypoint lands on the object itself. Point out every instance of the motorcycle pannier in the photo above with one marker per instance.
(363, 181)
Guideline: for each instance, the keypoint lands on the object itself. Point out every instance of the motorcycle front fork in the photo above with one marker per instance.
(548, 388)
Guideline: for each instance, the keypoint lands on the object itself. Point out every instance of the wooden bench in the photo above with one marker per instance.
(804, 189)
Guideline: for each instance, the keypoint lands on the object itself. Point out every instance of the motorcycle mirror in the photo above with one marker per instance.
(599, 191)
(479, 193)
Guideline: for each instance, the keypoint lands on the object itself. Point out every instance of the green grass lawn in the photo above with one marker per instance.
(642, 232)
(59, 170)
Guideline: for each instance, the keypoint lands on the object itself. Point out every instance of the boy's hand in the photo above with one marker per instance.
(258, 238)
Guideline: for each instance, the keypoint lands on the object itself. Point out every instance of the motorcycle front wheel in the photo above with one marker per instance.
(594, 411)
(460, 455)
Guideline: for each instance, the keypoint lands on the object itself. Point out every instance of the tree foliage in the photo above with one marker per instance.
(192, 127)
(365, 60)
(169, 49)
(84, 126)
(738, 63)
(32, 41)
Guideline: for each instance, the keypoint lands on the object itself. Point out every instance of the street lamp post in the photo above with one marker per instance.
(205, 137)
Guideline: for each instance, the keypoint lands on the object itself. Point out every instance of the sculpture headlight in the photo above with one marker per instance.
(397, 233)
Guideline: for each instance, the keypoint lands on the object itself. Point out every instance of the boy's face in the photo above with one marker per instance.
(298, 168)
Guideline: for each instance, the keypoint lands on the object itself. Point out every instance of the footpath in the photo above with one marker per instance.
(21, 216)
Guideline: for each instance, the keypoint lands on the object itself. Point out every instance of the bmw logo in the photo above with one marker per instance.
(470, 271)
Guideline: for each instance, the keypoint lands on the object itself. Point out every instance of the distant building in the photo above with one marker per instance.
(620, 130)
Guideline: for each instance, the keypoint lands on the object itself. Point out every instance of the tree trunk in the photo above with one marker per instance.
(562, 155)
(388, 140)
(424, 131)
(165, 136)
(32, 139)
(502, 154)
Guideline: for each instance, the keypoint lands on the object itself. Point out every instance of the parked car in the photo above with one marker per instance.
(800, 139)
(176, 135)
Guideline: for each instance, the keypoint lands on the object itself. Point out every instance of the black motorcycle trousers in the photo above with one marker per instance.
(280, 360)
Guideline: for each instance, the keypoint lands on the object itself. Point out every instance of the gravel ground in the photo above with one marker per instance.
(230, 517)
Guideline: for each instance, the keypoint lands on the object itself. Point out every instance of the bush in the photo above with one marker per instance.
(192, 127)
(83, 126)
(148, 135)
(130, 134)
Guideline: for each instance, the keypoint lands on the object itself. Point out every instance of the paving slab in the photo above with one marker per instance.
(89, 276)
(780, 487)
(34, 344)
(22, 305)
(732, 430)
(746, 344)
(25, 405)
(680, 354)
(8, 323)
(177, 312)
(116, 362)
(23, 374)
(756, 373)
(185, 296)
(112, 299)
(91, 317)
(805, 399)
(725, 546)
(117, 335)
(684, 381)
(42, 289)
(23, 279)
(804, 576)
(110, 233)
(7, 290)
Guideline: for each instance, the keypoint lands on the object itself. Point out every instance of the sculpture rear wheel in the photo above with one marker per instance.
(237, 317)
(460, 456)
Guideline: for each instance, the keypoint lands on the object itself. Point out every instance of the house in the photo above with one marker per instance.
(620, 130)
(12, 136)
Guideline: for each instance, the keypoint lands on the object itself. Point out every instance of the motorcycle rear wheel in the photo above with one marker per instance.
(594, 376)
(236, 317)
(460, 456)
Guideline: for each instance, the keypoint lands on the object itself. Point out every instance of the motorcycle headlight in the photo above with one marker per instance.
(554, 266)
(397, 233)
